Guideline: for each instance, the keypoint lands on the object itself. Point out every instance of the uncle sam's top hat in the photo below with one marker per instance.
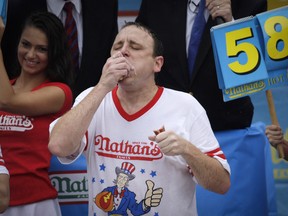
(127, 169)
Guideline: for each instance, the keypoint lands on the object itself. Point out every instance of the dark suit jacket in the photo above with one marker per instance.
(168, 19)
(100, 27)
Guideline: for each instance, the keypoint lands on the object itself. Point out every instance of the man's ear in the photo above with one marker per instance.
(159, 61)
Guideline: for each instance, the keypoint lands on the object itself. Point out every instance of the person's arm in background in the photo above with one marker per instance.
(4, 181)
(275, 136)
(4, 185)
(4, 192)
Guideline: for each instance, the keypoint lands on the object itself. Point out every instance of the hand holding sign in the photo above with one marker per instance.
(274, 120)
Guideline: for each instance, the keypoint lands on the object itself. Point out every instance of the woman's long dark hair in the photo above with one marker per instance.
(60, 66)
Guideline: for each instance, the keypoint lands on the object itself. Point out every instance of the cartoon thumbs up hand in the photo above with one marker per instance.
(152, 196)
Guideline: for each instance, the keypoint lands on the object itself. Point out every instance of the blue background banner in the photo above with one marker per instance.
(129, 5)
(3, 10)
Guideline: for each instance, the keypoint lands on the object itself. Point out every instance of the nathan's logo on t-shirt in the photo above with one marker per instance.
(126, 149)
(72, 186)
(15, 123)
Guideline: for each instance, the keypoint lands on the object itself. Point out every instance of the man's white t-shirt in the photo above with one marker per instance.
(115, 139)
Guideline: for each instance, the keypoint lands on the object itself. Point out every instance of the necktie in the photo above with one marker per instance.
(71, 30)
(195, 37)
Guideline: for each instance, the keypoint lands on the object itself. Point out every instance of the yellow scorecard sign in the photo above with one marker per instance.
(251, 54)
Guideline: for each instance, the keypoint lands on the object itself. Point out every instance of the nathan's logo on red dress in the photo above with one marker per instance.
(15, 123)
(127, 150)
